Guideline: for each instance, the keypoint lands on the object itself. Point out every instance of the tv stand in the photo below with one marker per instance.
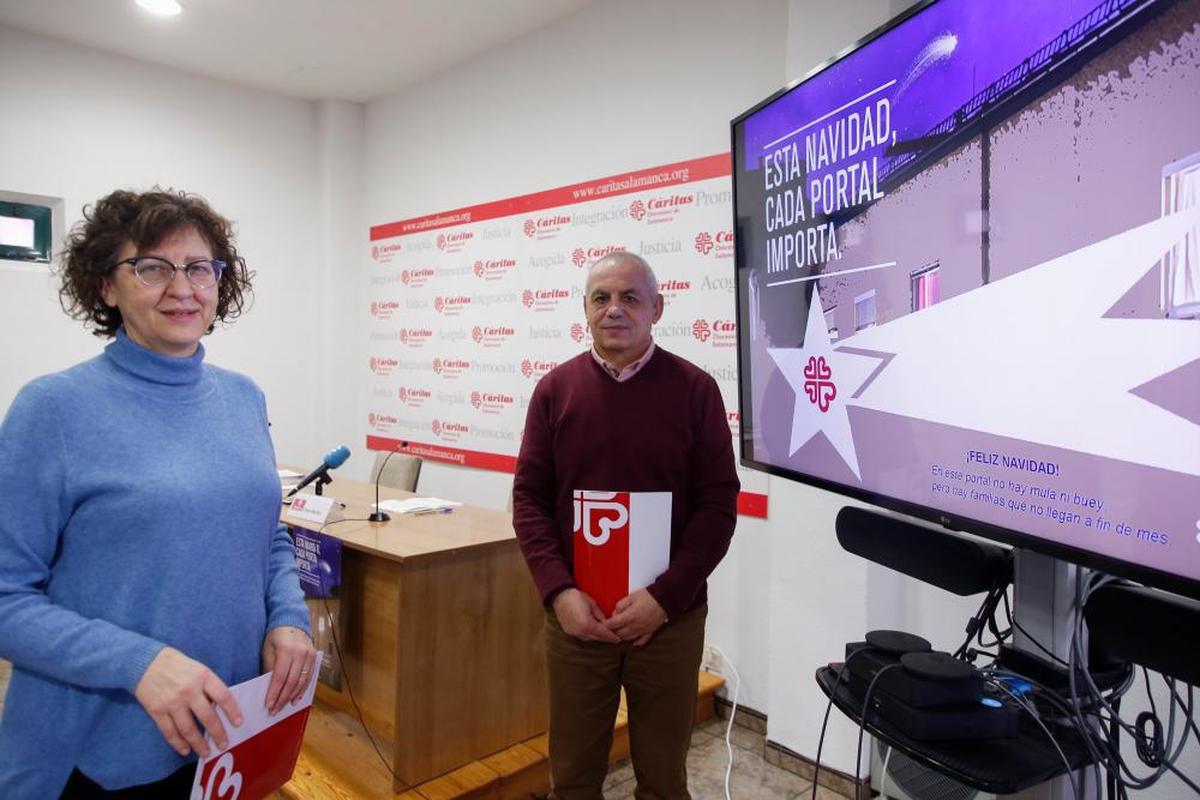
(1000, 766)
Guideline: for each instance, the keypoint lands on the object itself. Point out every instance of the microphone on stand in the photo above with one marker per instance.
(332, 460)
(377, 515)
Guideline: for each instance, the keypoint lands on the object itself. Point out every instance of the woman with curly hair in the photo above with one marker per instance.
(142, 565)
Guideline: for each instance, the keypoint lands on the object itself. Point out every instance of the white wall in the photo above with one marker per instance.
(620, 85)
(92, 122)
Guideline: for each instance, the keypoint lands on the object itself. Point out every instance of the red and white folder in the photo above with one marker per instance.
(622, 542)
(262, 750)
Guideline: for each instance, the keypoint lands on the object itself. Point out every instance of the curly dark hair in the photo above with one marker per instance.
(143, 219)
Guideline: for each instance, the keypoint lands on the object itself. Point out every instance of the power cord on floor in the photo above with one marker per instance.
(737, 685)
(342, 661)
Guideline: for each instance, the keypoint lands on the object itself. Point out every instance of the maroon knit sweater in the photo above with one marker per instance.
(664, 429)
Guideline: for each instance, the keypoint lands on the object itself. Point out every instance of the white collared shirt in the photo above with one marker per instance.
(631, 369)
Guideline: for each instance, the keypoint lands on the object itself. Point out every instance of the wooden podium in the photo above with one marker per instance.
(440, 638)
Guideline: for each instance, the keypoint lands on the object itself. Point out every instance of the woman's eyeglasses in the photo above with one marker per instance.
(154, 272)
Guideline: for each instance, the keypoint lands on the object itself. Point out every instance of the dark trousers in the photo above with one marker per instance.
(661, 679)
(176, 786)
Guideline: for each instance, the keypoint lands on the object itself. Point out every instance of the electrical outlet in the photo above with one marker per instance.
(711, 661)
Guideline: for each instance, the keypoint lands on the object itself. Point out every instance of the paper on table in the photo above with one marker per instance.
(289, 475)
(262, 750)
(417, 504)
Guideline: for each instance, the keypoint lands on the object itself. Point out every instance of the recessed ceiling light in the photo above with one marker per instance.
(165, 8)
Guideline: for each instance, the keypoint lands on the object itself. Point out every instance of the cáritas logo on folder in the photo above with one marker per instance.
(622, 542)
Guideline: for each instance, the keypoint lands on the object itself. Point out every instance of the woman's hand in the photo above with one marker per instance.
(289, 652)
(176, 691)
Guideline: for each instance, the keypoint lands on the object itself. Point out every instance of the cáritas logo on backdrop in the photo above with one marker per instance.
(384, 309)
(491, 402)
(381, 422)
(383, 366)
(542, 300)
(534, 369)
(717, 332)
(579, 333)
(449, 431)
(416, 278)
(413, 397)
(450, 368)
(493, 269)
(661, 208)
(672, 289)
(451, 305)
(383, 253)
(415, 337)
(492, 335)
(582, 255)
(453, 242)
(545, 227)
(717, 244)
(734, 418)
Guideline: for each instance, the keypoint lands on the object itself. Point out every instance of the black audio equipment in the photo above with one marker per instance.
(908, 687)
(952, 562)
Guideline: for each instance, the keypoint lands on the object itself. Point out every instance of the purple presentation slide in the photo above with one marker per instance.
(969, 274)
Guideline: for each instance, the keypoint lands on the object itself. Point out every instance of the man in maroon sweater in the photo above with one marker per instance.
(625, 417)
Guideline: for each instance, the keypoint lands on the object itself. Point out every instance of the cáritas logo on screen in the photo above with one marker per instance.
(818, 383)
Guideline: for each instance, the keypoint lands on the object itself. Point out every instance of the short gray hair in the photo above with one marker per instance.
(629, 258)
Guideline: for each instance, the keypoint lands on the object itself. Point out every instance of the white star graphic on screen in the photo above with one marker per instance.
(823, 380)
(1033, 357)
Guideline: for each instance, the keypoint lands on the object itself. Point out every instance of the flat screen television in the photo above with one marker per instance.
(968, 277)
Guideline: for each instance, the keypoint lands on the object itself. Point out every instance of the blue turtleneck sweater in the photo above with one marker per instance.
(142, 511)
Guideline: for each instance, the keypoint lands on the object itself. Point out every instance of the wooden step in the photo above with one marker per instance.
(337, 762)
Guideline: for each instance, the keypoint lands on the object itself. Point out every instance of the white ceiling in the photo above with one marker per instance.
(345, 49)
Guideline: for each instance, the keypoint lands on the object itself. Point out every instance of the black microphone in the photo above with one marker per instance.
(332, 460)
(381, 516)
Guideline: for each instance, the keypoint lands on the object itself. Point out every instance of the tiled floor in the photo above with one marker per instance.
(752, 777)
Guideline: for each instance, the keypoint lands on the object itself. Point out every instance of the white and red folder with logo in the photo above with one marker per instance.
(622, 542)
(262, 750)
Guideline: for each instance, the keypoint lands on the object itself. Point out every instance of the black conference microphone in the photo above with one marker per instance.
(332, 460)
(381, 516)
